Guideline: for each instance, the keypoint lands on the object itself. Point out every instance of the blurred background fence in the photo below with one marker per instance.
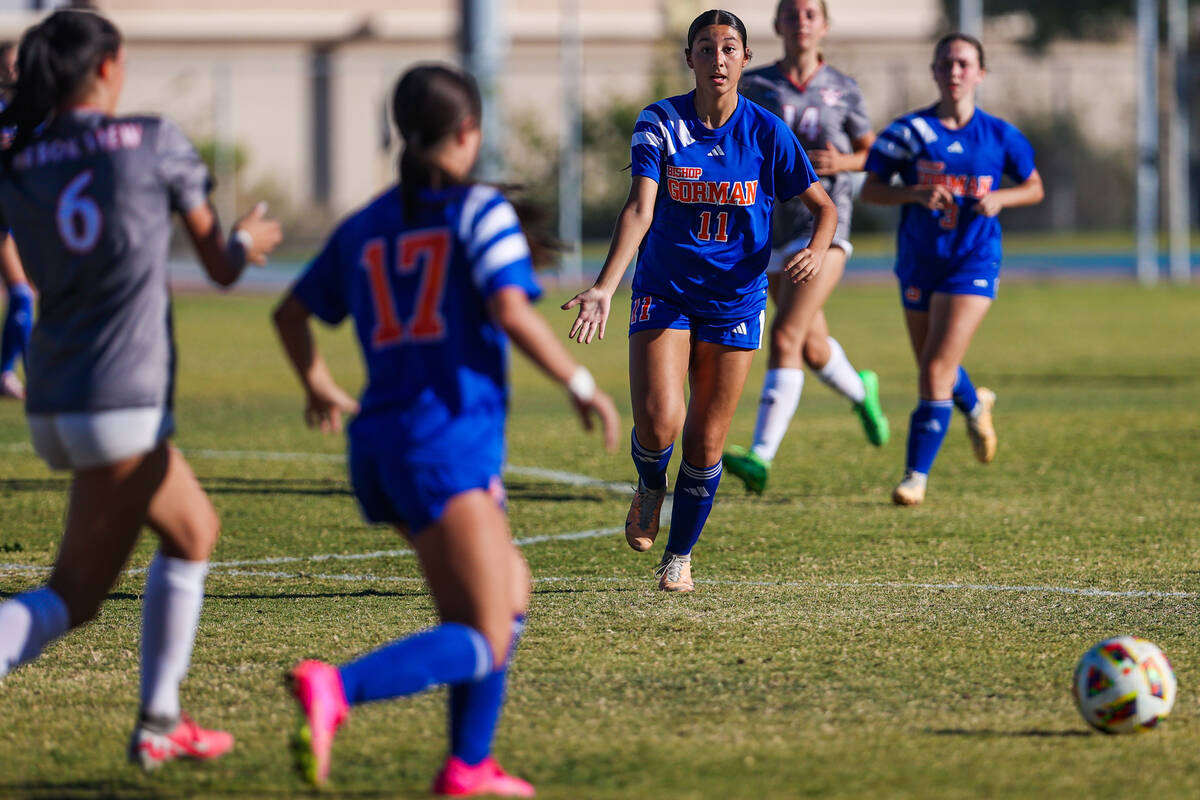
(289, 100)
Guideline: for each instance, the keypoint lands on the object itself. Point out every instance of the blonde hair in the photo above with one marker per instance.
(824, 9)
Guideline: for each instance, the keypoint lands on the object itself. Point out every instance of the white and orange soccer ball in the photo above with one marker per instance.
(1124, 685)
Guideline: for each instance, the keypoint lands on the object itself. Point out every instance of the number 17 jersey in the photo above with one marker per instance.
(710, 240)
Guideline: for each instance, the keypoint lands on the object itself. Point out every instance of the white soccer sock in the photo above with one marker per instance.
(838, 374)
(780, 396)
(29, 622)
(170, 614)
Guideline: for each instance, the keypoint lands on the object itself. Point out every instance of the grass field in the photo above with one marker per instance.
(835, 646)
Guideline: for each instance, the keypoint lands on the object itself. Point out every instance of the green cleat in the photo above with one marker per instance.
(749, 467)
(874, 422)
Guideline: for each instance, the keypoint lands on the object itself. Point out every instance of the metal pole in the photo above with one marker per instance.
(570, 172)
(1179, 197)
(482, 55)
(970, 17)
(1147, 141)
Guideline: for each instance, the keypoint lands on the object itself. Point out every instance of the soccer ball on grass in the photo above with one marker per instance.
(1123, 685)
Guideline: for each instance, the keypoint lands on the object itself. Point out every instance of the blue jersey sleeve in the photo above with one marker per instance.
(648, 149)
(894, 149)
(793, 171)
(497, 249)
(1018, 155)
(322, 287)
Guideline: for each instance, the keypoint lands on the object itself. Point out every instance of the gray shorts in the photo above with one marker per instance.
(97, 438)
(780, 255)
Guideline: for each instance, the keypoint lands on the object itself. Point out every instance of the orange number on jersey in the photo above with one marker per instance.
(388, 328)
(949, 219)
(722, 226)
(434, 246)
(427, 250)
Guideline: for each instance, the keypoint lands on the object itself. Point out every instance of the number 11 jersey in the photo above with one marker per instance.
(708, 246)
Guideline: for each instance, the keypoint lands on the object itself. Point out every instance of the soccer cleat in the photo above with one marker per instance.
(459, 779)
(10, 386)
(674, 573)
(318, 688)
(641, 523)
(980, 428)
(911, 490)
(748, 466)
(154, 742)
(874, 422)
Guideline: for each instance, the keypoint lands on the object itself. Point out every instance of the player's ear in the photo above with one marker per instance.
(749, 55)
(687, 56)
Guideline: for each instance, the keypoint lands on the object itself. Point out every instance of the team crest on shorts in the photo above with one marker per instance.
(912, 294)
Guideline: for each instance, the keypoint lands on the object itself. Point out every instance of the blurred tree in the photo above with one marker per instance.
(1055, 19)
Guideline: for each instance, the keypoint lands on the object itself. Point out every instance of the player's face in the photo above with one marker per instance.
(718, 58)
(801, 24)
(956, 70)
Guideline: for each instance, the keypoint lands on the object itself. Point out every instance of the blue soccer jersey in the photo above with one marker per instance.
(970, 162)
(708, 247)
(436, 363)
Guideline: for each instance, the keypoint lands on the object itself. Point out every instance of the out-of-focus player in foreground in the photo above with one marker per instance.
(437, 274)
(88, 196)
(18, 315)
(951, 158)
(708, 167)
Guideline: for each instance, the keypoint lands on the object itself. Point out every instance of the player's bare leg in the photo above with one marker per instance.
(658, 366)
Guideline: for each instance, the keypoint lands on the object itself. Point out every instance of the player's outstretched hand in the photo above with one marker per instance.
(264, 233)
(326, 403)
(803, 266)
(593, 314)
(610, 421)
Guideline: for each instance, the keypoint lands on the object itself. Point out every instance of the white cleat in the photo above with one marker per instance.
(911, 490)
(980, 428)
(674, 573)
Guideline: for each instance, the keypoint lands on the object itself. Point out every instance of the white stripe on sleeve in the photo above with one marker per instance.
(498, 255)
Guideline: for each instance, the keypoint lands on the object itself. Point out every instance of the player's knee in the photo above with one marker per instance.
(663, 425)
(816, 351)
(786, 340)
(196, 535)
(938, 376)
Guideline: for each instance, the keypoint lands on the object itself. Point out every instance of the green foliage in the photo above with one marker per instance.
(218, 156)
(832, 649)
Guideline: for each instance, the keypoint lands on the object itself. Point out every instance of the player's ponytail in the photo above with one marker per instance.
(431, 102)
(55, 64)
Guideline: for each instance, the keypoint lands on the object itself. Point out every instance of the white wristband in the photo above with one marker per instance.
(244, 238)
(582, 385)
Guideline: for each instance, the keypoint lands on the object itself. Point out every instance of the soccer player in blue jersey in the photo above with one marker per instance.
(437, 274)
(950, 158)
(707, 169)
(825, 109)
(18, 315)
(90, 196)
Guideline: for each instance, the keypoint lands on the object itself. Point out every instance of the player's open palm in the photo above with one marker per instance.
(594, 304)
(602, 406)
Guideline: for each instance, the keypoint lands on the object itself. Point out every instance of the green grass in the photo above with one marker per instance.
(839, 678)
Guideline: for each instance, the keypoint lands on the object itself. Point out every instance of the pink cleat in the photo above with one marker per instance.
(458, 779)
(153, 745)
(323, 708)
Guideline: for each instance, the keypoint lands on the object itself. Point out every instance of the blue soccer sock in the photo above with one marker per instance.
(926, 430)
(964, 392)
(694, 491)
(449, 653)
(475, 708)
(651, 464)
(18, 324)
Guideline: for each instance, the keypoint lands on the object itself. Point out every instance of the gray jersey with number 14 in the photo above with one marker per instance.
(89, 202)
(828, 109)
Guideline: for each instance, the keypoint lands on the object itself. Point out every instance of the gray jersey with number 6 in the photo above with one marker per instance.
(89, 202)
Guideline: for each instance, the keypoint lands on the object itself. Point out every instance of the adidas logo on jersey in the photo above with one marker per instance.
(955, 147)
(716, 151)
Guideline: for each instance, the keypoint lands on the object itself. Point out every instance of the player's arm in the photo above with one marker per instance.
(252, 238)
(11, 270)
(632, 224)
(807, 263)
(1027, 193)
(510, 308)
(879, 191)
(326, 401)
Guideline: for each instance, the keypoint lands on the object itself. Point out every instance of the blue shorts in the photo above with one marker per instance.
(652, 314)
(919, 283)
(392, 489)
